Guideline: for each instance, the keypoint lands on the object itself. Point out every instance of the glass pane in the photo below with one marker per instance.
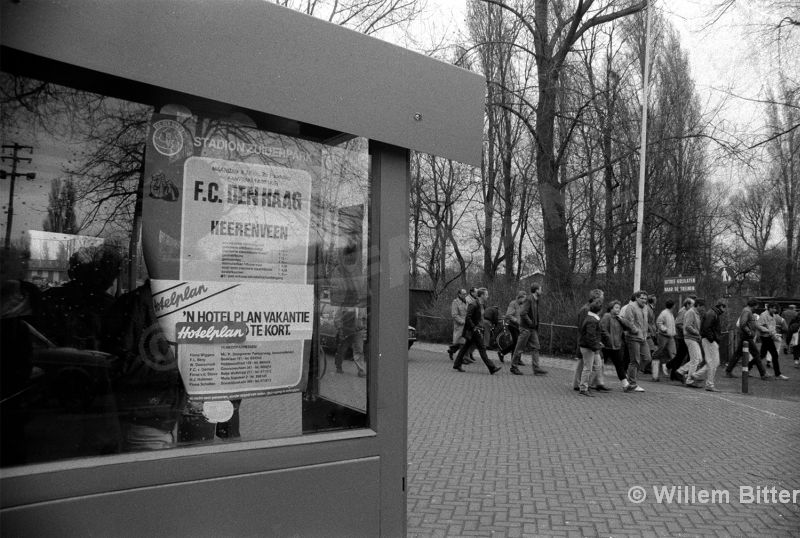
(174, 276)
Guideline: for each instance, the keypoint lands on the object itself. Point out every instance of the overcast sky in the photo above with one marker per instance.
(731, 59)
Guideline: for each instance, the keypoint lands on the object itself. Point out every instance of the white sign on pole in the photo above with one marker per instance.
(679, 284)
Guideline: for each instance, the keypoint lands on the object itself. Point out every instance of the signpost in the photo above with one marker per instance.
(679, 284)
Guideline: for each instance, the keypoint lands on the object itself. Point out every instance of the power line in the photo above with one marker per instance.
(13, 175)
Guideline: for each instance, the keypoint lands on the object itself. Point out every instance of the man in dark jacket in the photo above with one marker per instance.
(747, 333)
(473, 333)
(710, 335)
(595, 296)
(590, 344)
(529, 332)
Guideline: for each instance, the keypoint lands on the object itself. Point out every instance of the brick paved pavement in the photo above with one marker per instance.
(514, 456)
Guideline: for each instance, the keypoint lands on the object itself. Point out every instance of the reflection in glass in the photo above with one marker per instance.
(92, 363)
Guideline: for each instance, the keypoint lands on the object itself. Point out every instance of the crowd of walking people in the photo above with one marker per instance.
(681, 346)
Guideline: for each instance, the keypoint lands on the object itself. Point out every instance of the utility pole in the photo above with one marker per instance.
(637, 271)
(13, 175)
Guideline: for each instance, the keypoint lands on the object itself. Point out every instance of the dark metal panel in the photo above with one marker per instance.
(98, 476)
(257, 55)
(390, 166)
(338, 499)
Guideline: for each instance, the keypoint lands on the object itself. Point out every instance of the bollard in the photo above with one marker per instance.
(745, 362)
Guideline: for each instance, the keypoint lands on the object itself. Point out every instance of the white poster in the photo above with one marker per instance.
(236, 340)
(244, 221)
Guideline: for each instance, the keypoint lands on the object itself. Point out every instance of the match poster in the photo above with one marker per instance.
(226, 224)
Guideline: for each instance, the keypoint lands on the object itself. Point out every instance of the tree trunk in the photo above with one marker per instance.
(556, 245)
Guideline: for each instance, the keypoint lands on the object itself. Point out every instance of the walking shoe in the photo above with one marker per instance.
(629, 388)
(602, 388)
(450, 353)
(637, 388)
(665, 370)
(494, 369)
(576, 388)
(781, 377)
(585, 393)
(766, 377)
(516, 371)
(713, 389)
(458, 369)
(539, 371)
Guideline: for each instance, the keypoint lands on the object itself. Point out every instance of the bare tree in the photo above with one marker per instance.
(555, 29)
(784, 153)
(366, 16)
(753, 214)
(495, 34)
(441, 194)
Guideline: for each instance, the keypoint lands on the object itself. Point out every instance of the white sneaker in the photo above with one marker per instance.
(638, 389)
(665, 370)
(781, 377)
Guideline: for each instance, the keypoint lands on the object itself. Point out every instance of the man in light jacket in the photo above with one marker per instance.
(636, 339)
(665, 337)
(458, 312)
(692, 323)
(767, 329)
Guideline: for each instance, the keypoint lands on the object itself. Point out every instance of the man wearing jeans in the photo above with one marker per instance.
(595, 296)
(710, 334)
(529, 331)
(636, 339)
(692, 324)
(767, 329)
